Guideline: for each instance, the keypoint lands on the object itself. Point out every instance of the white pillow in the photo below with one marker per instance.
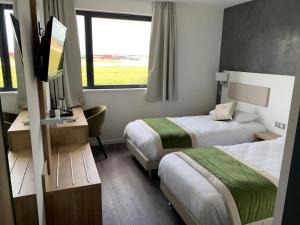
(224, 111)
(212, 112)
(244, 117)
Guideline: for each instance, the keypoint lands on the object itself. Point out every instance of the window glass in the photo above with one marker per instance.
(120, 51)
(10, 45)
(1, 75)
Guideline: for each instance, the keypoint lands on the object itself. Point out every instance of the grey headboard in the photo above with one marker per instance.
(253, 94)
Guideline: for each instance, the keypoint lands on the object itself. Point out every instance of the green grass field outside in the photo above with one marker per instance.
(1, 76)
(13, 73)
(106, 72)
(116, 72)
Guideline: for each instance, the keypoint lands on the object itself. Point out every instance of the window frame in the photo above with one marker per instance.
(88, 15)
(4, 54)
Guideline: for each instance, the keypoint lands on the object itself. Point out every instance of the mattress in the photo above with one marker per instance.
(207, 133)
(198, 196)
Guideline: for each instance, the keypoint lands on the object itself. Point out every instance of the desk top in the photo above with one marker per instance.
(73, 168)
(21, 173)
(18, 124)
(78, 116)
(62, 134)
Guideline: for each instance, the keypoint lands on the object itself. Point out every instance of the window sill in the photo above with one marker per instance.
(8, 93)
(87, 90)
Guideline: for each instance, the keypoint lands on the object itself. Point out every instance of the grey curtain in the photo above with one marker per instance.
(70, 85)
(162, 80)
(22, 100)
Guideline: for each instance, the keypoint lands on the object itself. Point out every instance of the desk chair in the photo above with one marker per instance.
(8, 119)
(95, 118)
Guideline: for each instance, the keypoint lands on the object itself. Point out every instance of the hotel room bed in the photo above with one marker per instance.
(196, 199)
(205, 131)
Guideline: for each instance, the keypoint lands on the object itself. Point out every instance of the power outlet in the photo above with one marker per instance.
(280, 125)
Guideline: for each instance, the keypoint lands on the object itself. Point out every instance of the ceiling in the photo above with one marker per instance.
(223, 3)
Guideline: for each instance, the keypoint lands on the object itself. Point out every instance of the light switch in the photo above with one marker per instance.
(280, 125)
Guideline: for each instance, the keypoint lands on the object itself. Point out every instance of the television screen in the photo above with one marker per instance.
(16, 26)
(49, 63)
(57, 41)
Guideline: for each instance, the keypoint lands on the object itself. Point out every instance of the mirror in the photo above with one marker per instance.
(6, 206)
(16, 135)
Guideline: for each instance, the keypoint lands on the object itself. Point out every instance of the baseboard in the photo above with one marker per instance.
(108, 142)
(113, 141)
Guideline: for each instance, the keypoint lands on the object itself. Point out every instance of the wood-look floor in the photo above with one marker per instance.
(130, 197)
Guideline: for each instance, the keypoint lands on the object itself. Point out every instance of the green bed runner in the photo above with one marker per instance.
(171, 135)
(254, 194)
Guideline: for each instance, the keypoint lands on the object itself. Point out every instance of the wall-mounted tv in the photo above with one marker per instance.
(52, 51)
(16, 26)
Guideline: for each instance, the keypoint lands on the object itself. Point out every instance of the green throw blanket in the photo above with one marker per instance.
(171, 135)
(254, 194)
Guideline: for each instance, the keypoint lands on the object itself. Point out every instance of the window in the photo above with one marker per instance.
(114, 49)
(8, 77)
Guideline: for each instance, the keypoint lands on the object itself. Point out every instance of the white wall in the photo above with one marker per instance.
(5, 1)
(9, 102)
(124, 6)
(198, 52)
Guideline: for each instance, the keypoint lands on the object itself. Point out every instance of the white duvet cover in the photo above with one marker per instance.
(207, 132)
(198, 196)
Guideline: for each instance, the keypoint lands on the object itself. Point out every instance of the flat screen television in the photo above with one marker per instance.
(17, 33)
(52, 51)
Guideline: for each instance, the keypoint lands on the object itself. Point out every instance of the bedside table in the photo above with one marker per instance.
(266, 136)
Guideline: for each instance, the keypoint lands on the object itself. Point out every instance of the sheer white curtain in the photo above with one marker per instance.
(162, 80)
(71, 85)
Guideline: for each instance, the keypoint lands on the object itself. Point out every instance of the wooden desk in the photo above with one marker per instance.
(71, 133)
(19, 134)
(23, 187)
(73, 190)
(62, 134)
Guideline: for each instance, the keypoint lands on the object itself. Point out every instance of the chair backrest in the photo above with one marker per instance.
(95, 118)
(8, 119)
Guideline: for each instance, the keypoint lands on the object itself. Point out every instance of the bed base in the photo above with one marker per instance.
(147, 164)
(185, 215)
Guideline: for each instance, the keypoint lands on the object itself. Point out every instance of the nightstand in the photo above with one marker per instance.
(266, 136)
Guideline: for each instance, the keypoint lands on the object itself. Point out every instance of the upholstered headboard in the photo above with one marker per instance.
(267, 95)
(252, 94)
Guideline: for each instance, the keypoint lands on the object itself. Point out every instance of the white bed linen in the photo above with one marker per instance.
(207, 131)
(198, 196)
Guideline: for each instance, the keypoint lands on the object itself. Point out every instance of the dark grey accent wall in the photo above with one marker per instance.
(262, 36)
